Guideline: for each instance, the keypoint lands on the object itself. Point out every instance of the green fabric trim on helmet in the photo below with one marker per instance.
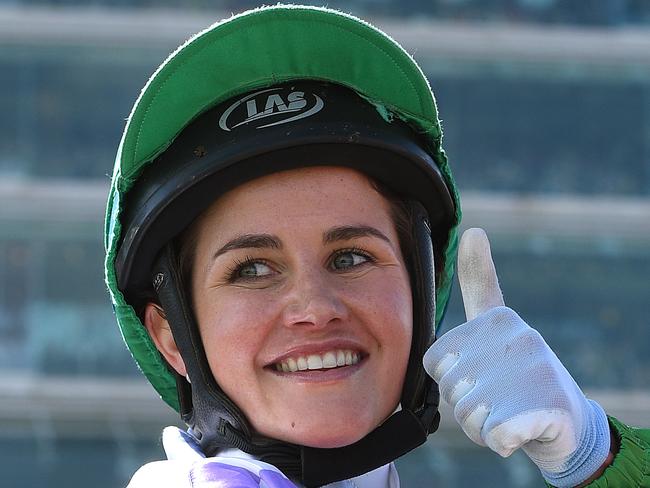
(444, 287)
(133, 332)
(246, 52)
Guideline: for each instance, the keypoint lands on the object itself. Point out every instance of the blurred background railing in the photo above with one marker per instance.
(546, 110)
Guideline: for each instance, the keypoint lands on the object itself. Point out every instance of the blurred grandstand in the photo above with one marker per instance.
(546, 110)
(572, 12)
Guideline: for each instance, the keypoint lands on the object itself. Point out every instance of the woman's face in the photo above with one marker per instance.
(303, 304)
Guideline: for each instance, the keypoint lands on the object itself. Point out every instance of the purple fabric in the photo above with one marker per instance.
(273, 479)
(219, 475)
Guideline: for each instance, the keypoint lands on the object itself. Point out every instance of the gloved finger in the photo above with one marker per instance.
(437, 362)
(479, 284)
(179, 445)
(459, 390)
(507, 437)
(473, 423)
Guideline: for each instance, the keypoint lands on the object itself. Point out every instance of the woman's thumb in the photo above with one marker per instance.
(479, 284)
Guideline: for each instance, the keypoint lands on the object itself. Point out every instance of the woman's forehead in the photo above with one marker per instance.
(314, 178)
(326, 191)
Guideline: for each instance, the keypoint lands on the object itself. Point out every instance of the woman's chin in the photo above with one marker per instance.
(318, 440)
(323, 424)
(315, 434)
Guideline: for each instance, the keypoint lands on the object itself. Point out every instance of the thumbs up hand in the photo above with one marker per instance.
(507, 388)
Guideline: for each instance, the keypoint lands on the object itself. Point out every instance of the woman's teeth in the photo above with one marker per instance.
(328, 360)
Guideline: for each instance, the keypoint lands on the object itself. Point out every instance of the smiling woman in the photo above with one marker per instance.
(281, 237)
(271, 250)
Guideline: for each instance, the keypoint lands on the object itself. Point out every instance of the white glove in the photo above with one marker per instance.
(507, 387)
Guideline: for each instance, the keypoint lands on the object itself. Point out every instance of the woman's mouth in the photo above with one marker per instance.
(328, 360)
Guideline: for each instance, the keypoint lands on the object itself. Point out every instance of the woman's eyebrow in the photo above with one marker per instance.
(348, 232)
(249, 241)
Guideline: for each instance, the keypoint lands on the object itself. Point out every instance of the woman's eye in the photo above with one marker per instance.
(253, 269)
(348, 259)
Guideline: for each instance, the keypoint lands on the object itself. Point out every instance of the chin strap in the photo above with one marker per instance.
(401, 433)
(313, 467)
(217, 423)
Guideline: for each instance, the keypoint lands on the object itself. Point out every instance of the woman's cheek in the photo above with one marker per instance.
(387, 294)
(233, 336)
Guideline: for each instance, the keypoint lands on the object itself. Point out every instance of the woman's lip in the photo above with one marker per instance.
(318, 348)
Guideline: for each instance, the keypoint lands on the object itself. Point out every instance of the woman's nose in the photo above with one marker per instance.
(313, 301)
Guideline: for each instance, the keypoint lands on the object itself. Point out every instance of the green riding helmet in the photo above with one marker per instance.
(273, 89)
